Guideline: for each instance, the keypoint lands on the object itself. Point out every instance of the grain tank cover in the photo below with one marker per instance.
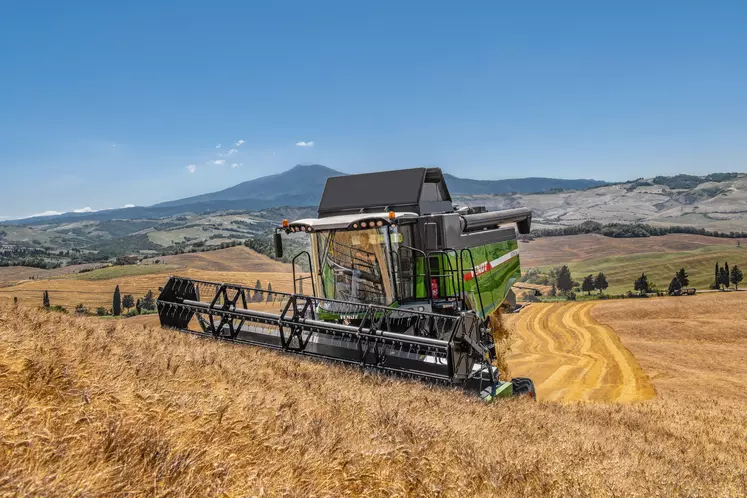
(417, 190)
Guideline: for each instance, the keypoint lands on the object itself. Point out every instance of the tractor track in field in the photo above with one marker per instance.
(572, 357)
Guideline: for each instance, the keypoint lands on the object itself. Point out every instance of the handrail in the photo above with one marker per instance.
(477, 282)
(311, 272)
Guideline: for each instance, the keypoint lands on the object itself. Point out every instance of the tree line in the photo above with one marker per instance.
(630, 230)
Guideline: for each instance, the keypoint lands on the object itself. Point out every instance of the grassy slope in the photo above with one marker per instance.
(93, 407)
(660, 268)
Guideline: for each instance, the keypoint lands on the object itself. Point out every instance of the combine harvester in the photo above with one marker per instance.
(401, 282)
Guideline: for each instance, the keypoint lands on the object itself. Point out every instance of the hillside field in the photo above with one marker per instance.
(623, 260)
(95, 407)
(95, 288)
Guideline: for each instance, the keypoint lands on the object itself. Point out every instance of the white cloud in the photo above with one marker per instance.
(228, 153)
(127, 206)
(218, 146)
(114, 145)
(240, 143)
(191, 168)
(305, 144)
(219, 162)
(85, 210)
(236, 165)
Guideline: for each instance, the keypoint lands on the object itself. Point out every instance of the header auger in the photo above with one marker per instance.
(401, 282)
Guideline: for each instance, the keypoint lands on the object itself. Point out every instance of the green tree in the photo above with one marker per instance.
(642, 284)
(588, 284)
(269, 292)
(116, 303)
(45, 300)
(128, 301)
(138, 306)
(563, 279)
(717, 277)
(683, 278)
(149, 301)
(727, 273)
(257, 296)
(600, 282)
(675, 286)
(80, 308)
(723, 278)
(736, 276)
(553, 290)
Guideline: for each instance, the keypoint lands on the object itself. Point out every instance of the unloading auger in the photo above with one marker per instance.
(401, 282)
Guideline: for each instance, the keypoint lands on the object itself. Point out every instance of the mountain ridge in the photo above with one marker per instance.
(299, 186)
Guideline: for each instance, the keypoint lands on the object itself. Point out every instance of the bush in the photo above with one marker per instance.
(131, 313)
(101, 311)
(59, 309)
(571, 296)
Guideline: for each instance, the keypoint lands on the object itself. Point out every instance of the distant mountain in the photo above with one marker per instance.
(464, 186)
(302, 184)
(299, 186)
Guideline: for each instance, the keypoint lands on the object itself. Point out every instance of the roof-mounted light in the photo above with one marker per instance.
(285, 223)
(392, 215)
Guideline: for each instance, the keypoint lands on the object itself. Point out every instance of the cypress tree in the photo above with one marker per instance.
(116, 303)
(45, 299)
(727, 284)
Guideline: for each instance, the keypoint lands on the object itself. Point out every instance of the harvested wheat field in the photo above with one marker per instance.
(94, 407)
(689, 345)
(572, 357)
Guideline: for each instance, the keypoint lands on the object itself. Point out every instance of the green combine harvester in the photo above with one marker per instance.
(401, 281)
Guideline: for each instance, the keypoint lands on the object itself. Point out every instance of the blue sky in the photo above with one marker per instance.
(104, 104)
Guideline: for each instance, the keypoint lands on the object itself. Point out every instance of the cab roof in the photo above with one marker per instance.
(418, 190)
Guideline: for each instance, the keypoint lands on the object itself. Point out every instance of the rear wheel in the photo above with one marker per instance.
(523, 386)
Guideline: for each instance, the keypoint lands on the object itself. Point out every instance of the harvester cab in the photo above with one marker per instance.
(396, 279)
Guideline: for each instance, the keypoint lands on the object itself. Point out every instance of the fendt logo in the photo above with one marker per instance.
(489, 265)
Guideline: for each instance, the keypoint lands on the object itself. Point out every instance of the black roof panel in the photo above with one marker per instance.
(386, 189)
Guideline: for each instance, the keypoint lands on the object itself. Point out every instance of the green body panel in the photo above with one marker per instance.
(498, 268)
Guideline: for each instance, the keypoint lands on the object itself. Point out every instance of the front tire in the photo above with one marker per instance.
(523, 386)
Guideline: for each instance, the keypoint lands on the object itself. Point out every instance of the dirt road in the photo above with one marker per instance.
(572, 357)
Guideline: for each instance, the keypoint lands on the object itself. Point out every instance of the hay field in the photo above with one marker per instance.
(94, 407)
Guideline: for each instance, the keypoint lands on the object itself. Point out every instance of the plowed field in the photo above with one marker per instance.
(572, 357)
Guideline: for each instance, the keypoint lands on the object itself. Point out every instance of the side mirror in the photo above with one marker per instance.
(278, 245)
